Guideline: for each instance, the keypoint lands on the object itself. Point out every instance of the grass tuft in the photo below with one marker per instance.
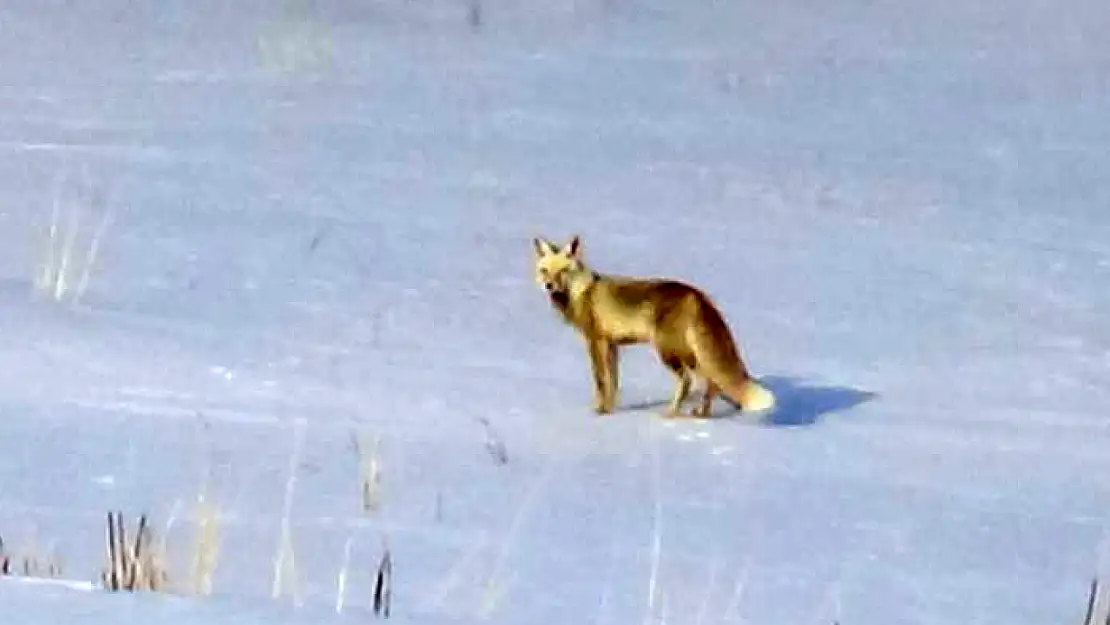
(138, 565)
(383, 585)
(369, 471)
(64, 272)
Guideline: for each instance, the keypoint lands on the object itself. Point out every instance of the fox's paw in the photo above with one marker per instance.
(602, 407)
(701, 412)
(673, 413)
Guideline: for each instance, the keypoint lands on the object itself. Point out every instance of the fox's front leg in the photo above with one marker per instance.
(613, 362)
(600, 363)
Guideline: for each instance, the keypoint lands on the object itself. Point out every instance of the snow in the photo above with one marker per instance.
(321, 212)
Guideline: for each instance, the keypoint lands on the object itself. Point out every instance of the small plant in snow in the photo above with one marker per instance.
(207, 546)
(369, 471)
(474, 15)
(383, 585)
(29, 563)
(494, 445)
(1092, 617)
(77, 228)
(134, 565)
(341, 579)
(285, 570)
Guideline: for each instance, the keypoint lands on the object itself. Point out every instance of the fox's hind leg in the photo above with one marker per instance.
(705, 408)
(683, 380)
(681, 392)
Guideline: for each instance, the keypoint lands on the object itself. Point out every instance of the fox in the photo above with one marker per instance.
(680, 321)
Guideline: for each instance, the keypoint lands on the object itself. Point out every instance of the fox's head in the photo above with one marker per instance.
(556, 267)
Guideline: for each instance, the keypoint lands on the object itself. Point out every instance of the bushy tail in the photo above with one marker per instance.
(720, 362)
(754, 397)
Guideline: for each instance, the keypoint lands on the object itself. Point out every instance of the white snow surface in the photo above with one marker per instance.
(322, 213)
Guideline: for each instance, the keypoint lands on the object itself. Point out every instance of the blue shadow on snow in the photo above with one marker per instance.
(798, 404)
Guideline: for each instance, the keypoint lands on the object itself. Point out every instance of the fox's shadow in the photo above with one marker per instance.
(799, 404)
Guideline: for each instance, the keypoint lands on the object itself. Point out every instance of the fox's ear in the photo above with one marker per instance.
(573, 246)
(543, 247)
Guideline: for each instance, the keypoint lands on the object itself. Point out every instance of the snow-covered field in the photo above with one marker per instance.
(320, 213)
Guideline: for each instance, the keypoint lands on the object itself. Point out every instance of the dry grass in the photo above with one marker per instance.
(369, 471)
(206, 547)
(29, 562)
(65, 270)
(139, 554)
(1097, 615)
(140, 563)
(341, 578)
(285, 569)
(383, 585)
(136, 565)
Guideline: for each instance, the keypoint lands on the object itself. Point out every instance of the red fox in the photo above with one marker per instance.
(680, 321)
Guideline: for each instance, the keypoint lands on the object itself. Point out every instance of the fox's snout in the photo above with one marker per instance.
(558, 297)
(557, 293)
(552, 283)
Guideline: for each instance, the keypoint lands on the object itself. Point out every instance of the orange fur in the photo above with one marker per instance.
(687, 330)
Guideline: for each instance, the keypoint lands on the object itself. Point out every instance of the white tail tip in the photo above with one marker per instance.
(756, 398)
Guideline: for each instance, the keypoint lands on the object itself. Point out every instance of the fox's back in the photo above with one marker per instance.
(628, 310)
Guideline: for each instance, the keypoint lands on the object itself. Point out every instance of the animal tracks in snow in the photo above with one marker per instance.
(695, 433)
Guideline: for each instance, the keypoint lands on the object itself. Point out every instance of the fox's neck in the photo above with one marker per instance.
(579, 282)
(575, 308)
